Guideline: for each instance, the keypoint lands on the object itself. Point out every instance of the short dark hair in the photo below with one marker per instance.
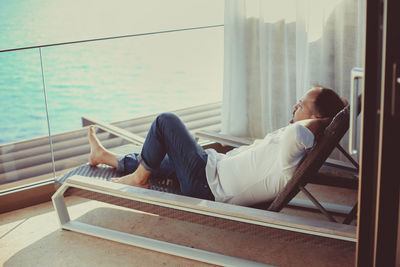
(328, 103)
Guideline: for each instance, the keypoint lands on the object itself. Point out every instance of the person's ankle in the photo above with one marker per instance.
(142, 174)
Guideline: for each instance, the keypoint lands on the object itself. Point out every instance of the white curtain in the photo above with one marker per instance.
(276, 50)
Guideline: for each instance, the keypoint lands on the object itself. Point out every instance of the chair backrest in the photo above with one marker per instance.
(314, 159)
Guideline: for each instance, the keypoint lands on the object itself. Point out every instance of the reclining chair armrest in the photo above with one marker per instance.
(341, 166)
(222, 138)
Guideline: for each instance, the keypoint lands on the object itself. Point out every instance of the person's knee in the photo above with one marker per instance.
(167, 119)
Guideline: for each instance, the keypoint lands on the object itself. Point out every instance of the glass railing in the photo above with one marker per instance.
(23, 115)
(47, 90)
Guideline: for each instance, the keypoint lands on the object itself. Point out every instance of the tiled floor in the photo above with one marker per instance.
(31, 237)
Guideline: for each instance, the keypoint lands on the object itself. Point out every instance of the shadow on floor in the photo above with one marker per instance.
(36, 210)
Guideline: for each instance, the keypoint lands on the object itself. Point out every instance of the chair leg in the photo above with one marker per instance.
(341, 149)
(351, 215)
(317, 204)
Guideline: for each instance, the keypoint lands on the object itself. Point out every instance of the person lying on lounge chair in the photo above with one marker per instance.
(244, 176)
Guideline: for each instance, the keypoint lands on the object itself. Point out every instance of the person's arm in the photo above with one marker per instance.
(294, 143)
(316, 126)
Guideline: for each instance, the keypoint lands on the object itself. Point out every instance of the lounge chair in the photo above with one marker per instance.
(225, 216)
(210, 213)
(307, 172)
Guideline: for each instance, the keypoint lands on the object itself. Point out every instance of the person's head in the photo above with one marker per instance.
(318, 102)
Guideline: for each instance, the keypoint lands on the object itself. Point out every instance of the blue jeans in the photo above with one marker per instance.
(169, 149)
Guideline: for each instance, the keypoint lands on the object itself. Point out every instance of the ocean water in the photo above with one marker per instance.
(106, 80)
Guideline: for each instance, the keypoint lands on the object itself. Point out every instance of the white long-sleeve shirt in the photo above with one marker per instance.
(256, 173)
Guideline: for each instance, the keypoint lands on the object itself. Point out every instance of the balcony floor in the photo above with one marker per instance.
(32, 237)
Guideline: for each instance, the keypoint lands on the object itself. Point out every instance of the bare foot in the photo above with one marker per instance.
(132, 179)
(96, 148)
